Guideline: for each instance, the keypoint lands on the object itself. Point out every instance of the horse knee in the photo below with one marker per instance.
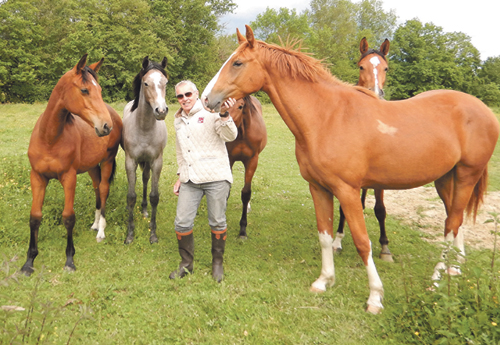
(154, 199)
(131, 199)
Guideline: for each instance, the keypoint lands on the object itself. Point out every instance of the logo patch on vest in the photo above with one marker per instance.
(201, 119)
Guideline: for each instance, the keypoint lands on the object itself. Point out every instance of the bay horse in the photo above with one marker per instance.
(144, 138)
(347, 139)
(373, 66)
(251, 140)
(76, 133)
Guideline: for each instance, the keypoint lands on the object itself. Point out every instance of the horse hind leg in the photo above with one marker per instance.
(146, 174)
(69, 185)
(107, 169)
(131, 169)
(246, 193)
(339, 236)
(380, 213)
(456, 190)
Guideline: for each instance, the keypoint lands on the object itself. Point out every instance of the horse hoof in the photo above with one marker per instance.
(129, 240)
(386, 257)
(99, 239)
(153, 239)
(27, 271)
(70, 269)
(373, 309)
(316, 290)
(243, 237)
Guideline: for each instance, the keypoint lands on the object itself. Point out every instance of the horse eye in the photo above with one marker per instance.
(85, 91)
(240, 107)
(386, 69)
(237, 63)
(146, 84)
(361, 68)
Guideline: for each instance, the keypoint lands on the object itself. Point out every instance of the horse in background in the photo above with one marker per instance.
(144, 138)
(251, 140)
(76, 133)
(373, 66)
(360, 141)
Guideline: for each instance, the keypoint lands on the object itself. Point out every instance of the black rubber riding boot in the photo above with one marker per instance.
(186, 250)
(218, 244)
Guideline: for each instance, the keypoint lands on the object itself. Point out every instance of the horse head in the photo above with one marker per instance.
(373, 67)
(150, 86)
(81, 95)
(240, 76)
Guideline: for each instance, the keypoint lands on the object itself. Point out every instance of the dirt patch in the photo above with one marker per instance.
(422, 206)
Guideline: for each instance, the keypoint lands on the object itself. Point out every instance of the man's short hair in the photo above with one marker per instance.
(188, 82)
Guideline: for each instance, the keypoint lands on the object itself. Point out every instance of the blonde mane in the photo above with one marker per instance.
(290, 60)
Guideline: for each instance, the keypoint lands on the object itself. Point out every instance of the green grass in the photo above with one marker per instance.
(121, 294)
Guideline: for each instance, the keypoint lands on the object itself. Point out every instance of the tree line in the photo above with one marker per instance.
(42, 39)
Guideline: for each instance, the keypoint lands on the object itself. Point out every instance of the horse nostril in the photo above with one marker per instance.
(106, 127)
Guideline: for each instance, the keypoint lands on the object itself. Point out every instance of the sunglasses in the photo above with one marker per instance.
(187, 94)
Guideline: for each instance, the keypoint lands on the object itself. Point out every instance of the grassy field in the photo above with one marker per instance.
(121, 294)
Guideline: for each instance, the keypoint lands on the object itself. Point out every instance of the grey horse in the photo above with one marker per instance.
(144, 138)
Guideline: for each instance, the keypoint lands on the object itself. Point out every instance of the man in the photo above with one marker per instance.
(203, 170)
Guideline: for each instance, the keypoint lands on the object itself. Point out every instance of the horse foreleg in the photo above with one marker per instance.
(95, 175)
(146, 174)
(246, 193)
(68, 181)
(349, 198)
(380, 213)
(38, 186)
(131, 168)
(323, 205)
(106, 170)
(154, 196)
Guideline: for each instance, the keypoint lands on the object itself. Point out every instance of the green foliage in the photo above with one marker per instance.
(423, 58)
(276, 26)
(41, 40)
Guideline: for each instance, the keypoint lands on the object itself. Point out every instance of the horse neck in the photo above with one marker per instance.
(53, 119)
(299, 112)
(145, 118)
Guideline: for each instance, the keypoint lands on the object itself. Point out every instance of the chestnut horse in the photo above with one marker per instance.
(373, 68)
(347, 139)
(144, 138)
(251, 140)
(76, 133)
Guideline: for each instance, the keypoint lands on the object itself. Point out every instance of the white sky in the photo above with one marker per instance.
(478, 19)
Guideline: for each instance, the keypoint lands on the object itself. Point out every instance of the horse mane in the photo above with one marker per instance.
(372, 51)
(290, 60)
(85, 74)
(137, 81)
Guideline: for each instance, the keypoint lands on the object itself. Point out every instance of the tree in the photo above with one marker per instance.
(424, 57)
(275, 26)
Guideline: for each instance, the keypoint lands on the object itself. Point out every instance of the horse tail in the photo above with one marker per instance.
(477, 196)
(142, 165)
(113, 171)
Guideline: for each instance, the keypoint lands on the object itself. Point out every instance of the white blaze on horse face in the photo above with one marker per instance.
(210, 85)
(375, 62)
(386, 129)
(160, 100)
(93, 82)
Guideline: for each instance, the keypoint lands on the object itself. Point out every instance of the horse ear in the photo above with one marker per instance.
(241, 38)
(81, 64)
(384, 48)
(145, 62)
(164, 62)
(97, 65)
(250, 37)
(363, 46)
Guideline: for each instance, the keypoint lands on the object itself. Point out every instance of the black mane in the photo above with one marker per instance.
(138, 80)
(373, 51)
(85, 74)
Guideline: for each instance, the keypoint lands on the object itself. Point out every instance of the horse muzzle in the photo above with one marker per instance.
(105, 130)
